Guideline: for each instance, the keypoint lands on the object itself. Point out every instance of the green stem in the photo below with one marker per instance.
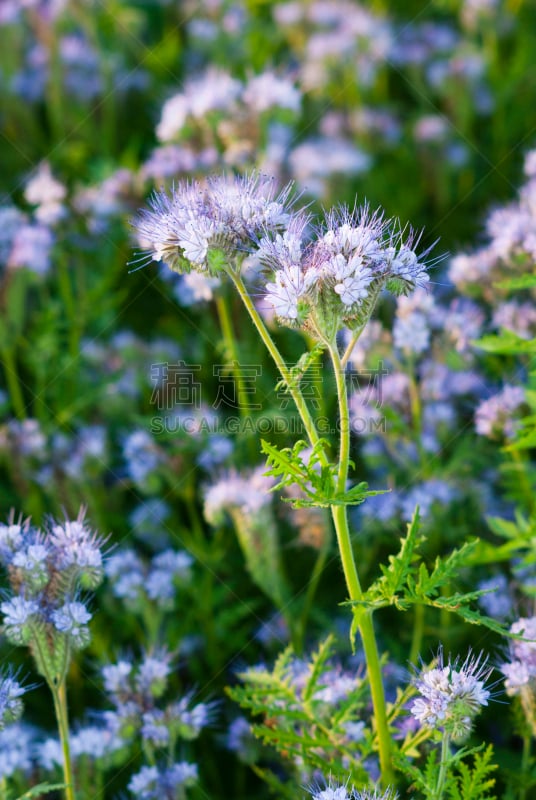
(232, 352)
(340, 520)
(60, 706)
(13, 383)
(442, 774)
(351, 344)
(368, 638)
(344, 419)
(295, 393)
(363, 619)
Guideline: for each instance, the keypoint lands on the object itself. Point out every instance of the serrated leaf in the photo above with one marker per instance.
(318, 662)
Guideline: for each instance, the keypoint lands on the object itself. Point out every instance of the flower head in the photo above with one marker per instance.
(71, 619)
(520, 671)
(335, 791)
(451, 695)
(199, 225)
(11, 692)
(335, 278)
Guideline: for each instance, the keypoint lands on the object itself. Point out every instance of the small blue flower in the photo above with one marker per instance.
(72, 619)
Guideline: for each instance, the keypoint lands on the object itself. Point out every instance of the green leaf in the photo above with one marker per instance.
(508, 343)
(300, 368)
(473, 783)
(520, 282)
(40, 789)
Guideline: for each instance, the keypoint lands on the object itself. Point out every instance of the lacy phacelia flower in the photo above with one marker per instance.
(137, 582)
(334, 791)
(11, 707)
(451, 695)
(152, 783)
(498, 416)
(47, 569)
(336, 278)
(199, 226)
(520, 671)
(248, 493)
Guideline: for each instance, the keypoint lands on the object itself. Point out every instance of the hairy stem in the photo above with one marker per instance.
(351, 344)
(295, 392)
(226, 325)
(442, 774)
(59, 694)
(340, 521)
(363, 620)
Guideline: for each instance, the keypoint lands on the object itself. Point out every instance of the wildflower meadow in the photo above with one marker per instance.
(267, 400)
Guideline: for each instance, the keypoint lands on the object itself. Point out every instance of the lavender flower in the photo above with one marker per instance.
(77, 548)
(46, 570)
(31, 249)
(249, 493)
(520, 671)
(16, 749)
(336, 791)
(142, 456)
(47, 193)
(496, 417)
(153, 783)
(11, 706)
(336, 279)
(498, 602)
(199, 226)
(19, 614)
(240, 740)
(154, 728)
(153, 673)
(116, 677)
(72, 619)
(451, 695)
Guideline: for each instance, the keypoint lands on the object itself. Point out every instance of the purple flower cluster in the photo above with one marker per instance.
(136, 690)
(332, 790)
(163, 783)
(202, 227)
(498, 417)
(450, 695)
(47, 569)
(520, 671)
(136, 582)
(336, 279)
(11, 692)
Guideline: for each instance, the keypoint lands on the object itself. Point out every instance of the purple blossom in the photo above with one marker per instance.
(153, 673)
(72, 619)
(520, 671)
(451, 695)
(498, 416)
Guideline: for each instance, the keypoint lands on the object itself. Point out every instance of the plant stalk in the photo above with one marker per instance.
(59, 694)
(363, 620)
(442, 774)
(269, 343)
(340, 520)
